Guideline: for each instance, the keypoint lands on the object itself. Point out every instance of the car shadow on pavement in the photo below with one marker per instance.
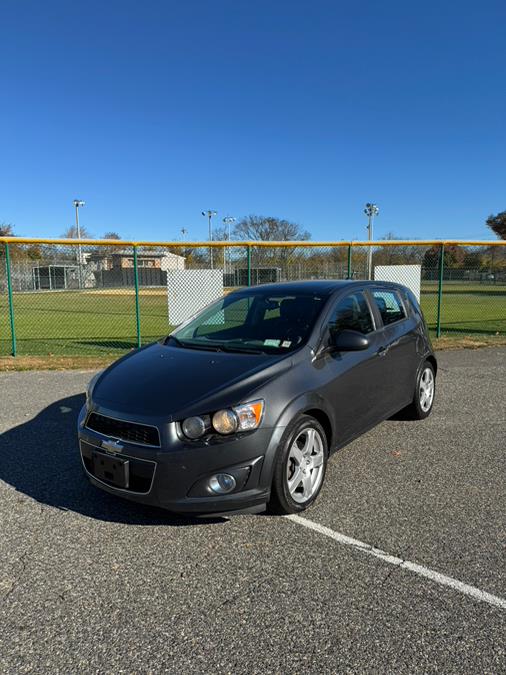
(41, 459)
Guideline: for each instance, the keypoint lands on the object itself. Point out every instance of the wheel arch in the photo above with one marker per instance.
(314, 405)
(433, 362)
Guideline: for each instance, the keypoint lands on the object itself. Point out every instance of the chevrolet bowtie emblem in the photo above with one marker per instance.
(112, 446)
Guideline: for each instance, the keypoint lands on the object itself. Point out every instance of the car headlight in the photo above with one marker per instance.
(245, 417)
(249, 415)
(194, 427)
(225, 421)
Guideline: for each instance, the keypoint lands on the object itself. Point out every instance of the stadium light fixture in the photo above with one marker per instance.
(229, 221)
(210, 214)
(79, 203)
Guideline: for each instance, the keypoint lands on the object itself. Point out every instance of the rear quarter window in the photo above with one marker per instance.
(389, 306)
(414, 303)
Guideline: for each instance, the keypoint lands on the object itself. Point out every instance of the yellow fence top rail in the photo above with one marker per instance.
(121, 243)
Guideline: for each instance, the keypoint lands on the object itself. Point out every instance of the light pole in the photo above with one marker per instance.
(228, 221)
(210, 213)
(78, 203)
(371, 210)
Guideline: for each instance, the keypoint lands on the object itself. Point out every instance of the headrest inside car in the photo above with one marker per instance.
(297, 308)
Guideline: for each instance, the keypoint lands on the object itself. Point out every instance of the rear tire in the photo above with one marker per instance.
(300, 466)
(425, 393)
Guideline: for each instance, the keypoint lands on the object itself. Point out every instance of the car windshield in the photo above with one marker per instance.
(252, 322)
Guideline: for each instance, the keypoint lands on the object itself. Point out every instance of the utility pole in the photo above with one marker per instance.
(371, 210)
(229, 221)
(210, 213)
(77, 204)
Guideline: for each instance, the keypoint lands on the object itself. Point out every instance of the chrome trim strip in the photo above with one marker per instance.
(111, 487)
(118, 438)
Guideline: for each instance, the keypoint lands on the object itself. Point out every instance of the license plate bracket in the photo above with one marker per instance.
(111, 470)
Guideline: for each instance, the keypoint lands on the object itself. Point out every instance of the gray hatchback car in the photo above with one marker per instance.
(240, 407)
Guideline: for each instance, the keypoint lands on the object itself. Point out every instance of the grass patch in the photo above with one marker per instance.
(9, 363)
(467, 342)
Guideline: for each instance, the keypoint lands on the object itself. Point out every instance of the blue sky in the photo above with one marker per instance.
(153, 111)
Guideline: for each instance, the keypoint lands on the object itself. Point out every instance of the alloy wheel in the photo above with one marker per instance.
(426, 389)
(305, 465)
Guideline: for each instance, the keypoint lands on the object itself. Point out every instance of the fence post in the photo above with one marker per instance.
(440, 290)
(248, 256)
(137, 308)
(349, 262)
(11, 303)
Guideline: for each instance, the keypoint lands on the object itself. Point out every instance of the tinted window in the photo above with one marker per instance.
(352, 313)
(414, 303)
(389, 306)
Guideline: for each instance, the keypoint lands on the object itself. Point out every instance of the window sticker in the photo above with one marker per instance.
(286, 343)
(271, 343)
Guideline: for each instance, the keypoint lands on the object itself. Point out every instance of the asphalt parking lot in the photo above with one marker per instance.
(91, 583)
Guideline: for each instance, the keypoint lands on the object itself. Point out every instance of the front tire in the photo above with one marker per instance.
(300, 467)
(425, 392)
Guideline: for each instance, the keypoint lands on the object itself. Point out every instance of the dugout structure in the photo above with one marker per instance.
(55, 277)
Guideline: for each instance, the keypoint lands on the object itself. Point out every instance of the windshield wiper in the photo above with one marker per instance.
(231, 346)
(216, 347)
(242, 350)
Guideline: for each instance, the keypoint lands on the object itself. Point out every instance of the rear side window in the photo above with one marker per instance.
(389, 306)
(351, 313)
(414, 303)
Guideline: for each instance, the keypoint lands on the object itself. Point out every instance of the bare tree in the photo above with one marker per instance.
(498, 224)
(400, 255)
(268, 228)
(111, 235)
(6, 230)
(19, 251)
(71, 233)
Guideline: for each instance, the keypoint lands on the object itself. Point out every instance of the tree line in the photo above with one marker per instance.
(268, 228)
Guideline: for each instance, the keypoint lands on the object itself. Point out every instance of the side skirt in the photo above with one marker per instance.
(347, 441)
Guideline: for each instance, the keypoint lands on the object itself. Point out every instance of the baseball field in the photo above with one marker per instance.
(94, 322)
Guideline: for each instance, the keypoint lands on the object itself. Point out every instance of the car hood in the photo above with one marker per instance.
(169, 381)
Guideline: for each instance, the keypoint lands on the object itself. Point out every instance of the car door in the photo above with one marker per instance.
(398, 348)
(351, 380)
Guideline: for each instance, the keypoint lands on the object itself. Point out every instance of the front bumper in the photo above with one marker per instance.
(171, 475)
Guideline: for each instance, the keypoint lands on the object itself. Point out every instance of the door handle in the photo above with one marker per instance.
(382, 351)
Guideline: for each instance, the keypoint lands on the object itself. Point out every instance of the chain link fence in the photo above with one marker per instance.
(93, 297)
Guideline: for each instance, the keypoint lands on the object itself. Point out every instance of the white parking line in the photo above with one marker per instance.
(422, 571)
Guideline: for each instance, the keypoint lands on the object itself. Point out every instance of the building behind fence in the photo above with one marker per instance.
(88, 297)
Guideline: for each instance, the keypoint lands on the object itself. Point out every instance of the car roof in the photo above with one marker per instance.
(319, 286)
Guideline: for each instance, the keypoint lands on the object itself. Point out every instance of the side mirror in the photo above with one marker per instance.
(349, 341)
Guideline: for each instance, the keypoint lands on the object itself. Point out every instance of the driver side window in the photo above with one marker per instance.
(352, 313)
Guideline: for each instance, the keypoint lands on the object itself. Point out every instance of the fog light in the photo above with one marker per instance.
(222, 483)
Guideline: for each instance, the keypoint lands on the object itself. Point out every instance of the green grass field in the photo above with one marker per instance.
(467, 309)
(86, 322)
(103, 322)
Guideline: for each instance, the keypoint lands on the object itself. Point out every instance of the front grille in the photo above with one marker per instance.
(142, 434)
